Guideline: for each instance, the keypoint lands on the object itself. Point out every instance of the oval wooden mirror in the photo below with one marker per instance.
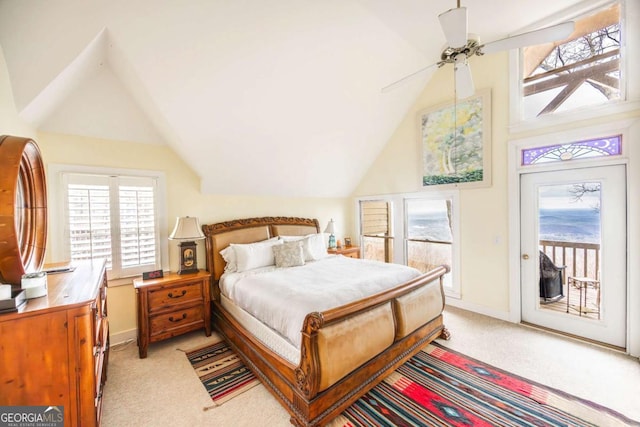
(23, 208)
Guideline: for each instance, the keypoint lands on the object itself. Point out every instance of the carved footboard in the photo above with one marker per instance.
(347, 350)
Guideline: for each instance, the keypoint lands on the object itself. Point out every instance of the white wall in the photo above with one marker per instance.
(489, 259)
(484, 213)
(485, 259)
(183, 192)
(10, 122)
(183, 198)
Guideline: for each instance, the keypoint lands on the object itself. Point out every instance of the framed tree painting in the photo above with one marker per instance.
(455, 143)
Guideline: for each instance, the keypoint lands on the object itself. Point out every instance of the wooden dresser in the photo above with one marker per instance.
(54, 351)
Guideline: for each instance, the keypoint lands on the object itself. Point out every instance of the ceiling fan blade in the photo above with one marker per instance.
(463, 78)
(543, 35)
(407, 79)
(454, 26)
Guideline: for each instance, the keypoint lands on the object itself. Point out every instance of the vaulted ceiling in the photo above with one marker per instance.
(259, 97)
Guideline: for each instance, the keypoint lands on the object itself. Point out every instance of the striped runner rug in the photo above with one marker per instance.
(221, 371)
(436, 387)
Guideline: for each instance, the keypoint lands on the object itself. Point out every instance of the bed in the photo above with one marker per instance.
(340, 352)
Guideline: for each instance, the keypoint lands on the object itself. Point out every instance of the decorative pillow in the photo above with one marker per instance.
(288, 254)
(254, 255)
(313, 245)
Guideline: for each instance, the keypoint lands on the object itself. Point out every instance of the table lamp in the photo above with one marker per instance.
(187, 230)
(331, 229)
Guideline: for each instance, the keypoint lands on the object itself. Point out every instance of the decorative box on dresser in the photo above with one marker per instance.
(172, 305)
(54, 351)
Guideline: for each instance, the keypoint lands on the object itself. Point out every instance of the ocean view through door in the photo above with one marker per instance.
(573, 252)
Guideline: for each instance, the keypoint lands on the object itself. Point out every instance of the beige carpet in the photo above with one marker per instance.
(164, 390)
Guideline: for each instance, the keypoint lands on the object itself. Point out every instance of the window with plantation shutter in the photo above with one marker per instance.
(89, 221)
(137, 225)
(112, 217)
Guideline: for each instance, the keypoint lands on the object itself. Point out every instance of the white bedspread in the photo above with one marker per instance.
(282, 297)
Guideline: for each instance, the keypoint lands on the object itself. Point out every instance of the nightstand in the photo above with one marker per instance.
(172, 305)
(350, 251)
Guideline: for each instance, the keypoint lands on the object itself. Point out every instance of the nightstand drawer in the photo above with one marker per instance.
(170, 296)
(352, 254)
(176, 322)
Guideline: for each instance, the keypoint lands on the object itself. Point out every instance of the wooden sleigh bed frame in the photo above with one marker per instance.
(343, 353)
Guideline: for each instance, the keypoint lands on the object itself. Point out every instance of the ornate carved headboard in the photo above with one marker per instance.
(250, 230)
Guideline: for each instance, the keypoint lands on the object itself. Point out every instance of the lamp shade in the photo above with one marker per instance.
(331, 229)
(187, 228)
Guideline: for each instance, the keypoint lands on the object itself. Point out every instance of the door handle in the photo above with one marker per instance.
(525, 256)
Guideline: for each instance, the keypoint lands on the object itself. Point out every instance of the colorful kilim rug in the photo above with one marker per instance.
(440, 387)
(221, 371)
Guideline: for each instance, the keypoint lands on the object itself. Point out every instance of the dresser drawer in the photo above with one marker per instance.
(176, 322)
(173, 295)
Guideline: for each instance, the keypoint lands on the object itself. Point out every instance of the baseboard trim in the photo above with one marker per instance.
(502, 315)
(123, 337)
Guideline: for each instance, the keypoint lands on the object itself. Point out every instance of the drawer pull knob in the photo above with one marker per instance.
(183, 293)
(172, 319)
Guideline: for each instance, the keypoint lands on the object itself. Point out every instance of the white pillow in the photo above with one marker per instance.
(229, 256)
(313, 245)
(289, 254)
(254, 255)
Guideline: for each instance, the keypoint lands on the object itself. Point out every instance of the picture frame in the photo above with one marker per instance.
(455, 143)
(347, 242)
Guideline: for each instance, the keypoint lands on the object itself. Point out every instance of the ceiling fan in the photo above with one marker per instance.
(462, 46)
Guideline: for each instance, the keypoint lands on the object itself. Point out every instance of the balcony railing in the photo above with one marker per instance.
(580, 259)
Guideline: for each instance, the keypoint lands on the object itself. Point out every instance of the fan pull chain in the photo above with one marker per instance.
(455, 123)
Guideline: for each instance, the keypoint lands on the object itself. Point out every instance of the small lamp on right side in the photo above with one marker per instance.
(331, 229)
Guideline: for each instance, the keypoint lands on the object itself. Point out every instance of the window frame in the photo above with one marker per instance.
(57, 212)
(629, 91)
(389, 240)
(453, 289)
(399, 222)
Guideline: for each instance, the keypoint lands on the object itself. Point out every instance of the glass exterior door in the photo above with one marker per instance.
(573, 226)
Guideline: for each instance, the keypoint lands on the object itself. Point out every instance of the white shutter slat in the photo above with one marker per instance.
(137, 225)
(89, 222)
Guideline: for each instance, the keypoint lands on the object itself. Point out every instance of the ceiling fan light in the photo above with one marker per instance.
(463, 79)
